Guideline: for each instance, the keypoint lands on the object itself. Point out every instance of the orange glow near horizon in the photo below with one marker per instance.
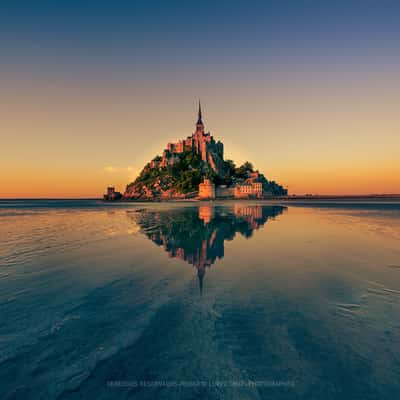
(58, 183)
(73, 140)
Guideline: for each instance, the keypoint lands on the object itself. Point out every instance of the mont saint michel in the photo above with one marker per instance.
(195, 168)
(199, 200)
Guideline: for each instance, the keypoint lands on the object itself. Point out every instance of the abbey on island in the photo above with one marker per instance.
(195, 168)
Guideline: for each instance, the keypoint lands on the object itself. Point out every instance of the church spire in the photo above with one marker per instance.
(199, 120)
(199, 123)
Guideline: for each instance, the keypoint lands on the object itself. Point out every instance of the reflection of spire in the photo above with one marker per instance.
(200, 273)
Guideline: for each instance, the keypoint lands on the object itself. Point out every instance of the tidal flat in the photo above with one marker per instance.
(197, 300)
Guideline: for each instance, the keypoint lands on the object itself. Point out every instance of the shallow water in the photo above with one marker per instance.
(236, 300)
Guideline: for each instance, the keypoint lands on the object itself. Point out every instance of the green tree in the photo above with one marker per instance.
(243, 171)
(230, 167)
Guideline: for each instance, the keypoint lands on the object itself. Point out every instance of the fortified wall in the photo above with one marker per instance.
(251, 187)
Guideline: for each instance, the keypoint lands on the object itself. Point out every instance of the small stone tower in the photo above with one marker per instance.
(206, 189)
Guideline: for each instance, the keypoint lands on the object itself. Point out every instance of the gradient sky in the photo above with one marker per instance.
(309, 91)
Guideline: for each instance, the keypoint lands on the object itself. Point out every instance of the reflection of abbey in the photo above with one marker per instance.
(197, 235)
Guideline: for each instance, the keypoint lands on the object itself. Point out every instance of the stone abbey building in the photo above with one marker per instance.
(201, 143)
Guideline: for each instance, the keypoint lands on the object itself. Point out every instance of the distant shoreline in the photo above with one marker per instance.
(382, 197)
(292, 198)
